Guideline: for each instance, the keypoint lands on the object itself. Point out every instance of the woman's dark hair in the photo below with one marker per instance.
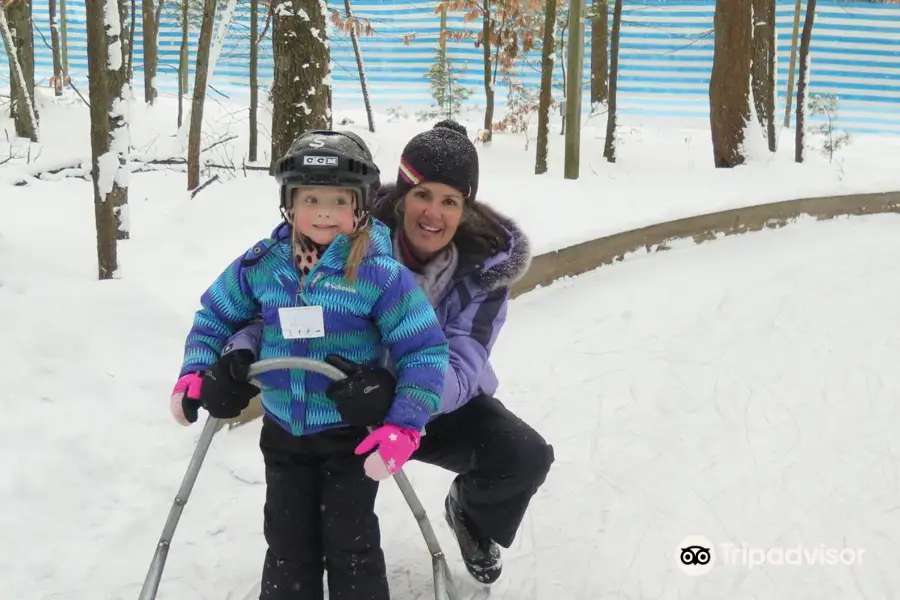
(480, 231)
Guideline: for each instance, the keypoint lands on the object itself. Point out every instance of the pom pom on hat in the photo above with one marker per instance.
(453, 126)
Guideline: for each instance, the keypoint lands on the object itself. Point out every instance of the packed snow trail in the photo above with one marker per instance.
(745, 390)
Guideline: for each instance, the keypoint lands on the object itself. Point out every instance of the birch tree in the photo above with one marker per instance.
(109, 99)
(19, 42)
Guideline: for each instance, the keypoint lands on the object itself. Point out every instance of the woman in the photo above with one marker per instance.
(465, 257)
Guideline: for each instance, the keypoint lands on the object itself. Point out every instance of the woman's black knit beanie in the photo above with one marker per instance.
(443, 154)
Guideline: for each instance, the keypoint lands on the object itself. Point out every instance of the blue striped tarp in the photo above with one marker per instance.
(665, 62)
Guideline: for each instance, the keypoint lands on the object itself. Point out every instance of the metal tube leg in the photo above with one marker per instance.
(154, 574)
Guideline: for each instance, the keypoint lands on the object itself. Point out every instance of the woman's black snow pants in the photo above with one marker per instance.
(319, 515)
(501, 461)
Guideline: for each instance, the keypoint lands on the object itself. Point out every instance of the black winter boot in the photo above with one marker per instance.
(480, 554)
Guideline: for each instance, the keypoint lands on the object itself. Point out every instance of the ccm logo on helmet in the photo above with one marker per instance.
(320, 161)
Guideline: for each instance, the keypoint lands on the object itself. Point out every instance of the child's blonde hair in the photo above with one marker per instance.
(359, 245)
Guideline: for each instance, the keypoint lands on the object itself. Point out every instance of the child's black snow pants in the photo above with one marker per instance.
(319, 515)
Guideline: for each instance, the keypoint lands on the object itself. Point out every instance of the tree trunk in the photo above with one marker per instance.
(599, 55)
(54, 49)
(300, 85)
(561, 61)
(487, 34)
(795, 34)
(609, 146)
(729, 86)
(64, 37)
(19, 43)
(109, 130)
(805, 38)
(149, 39)
(183, 60)
(763, 70)
(575, 90)
(254, 78)
(129, 73)
(202, 70)
(354, 38)
(543, 133)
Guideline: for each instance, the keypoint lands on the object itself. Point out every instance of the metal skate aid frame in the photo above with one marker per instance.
(443, 584)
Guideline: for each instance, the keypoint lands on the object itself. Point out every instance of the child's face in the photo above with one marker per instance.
(322, 213)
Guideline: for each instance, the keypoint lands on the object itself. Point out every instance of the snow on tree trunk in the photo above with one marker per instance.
(21, 89)
(200, 79)
(301, 94)
(110, 101)
(729, 89)
(763, 70)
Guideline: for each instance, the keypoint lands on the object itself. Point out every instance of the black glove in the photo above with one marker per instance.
(226, 391)
(365, 396)
(191, 408)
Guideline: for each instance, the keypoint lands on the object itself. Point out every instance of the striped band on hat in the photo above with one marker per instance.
(410, 174)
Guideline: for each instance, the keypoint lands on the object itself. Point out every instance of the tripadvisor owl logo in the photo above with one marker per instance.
(695, 555)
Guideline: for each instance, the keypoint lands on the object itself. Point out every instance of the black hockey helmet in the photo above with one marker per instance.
(328, 158)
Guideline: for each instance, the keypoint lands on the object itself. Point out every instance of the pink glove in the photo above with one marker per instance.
(395, 446)
(185, 399)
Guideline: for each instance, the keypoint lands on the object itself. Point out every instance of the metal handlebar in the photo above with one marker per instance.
(443, 586)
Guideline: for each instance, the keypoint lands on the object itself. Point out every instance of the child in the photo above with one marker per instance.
(326, 284)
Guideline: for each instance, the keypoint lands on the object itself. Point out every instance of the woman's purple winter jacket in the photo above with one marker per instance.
(471, 313)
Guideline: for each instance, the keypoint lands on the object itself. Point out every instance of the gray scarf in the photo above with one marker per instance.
(437, 274)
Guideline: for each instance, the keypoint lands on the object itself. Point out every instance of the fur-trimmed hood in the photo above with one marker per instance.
(490, 270)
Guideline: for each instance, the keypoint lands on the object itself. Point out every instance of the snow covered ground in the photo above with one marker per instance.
(664, 169)
(743, 390)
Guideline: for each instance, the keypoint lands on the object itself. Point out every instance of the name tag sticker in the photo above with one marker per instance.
(302, 322)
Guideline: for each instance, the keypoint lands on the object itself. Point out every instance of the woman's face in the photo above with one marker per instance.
(431, 215)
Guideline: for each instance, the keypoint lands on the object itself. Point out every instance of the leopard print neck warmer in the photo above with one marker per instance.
(306, 254)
